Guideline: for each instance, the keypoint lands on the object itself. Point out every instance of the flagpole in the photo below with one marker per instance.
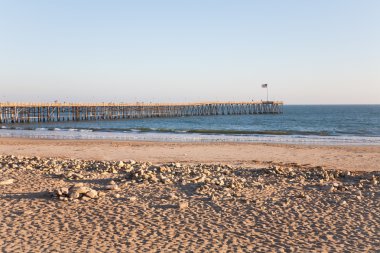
(267, 94)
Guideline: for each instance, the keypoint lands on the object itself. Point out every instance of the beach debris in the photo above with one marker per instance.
(7, 182)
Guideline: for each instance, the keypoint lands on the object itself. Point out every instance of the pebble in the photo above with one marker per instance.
(183, 205)
(92, 194)
(112, 187)
(85, 198)
(7, 182)
(172, 196)
(101, 194)
(132, 199)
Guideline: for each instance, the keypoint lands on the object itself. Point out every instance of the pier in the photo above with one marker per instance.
(54, 112)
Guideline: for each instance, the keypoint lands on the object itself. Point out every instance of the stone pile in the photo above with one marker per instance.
(217, 177)
(76, 192)
(215, 181)
(71, 169)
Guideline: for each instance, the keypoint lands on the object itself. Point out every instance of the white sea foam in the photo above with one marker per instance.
(185, 137)
(85, 130)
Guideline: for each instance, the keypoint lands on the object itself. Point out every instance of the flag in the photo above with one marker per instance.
(264, 86)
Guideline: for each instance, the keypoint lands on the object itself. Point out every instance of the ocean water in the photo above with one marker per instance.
(309, 124)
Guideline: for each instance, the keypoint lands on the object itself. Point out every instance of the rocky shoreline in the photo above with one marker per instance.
(279, 207)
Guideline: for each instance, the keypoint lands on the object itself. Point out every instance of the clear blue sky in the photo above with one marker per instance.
(309, 52)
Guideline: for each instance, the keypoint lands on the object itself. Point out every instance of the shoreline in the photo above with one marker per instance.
(344, 157)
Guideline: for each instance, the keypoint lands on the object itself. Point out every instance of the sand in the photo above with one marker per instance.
(280, 208)
(358, 158)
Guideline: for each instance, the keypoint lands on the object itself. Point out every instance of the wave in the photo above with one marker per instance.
(217, 131)
(224, 132)
(187, 137)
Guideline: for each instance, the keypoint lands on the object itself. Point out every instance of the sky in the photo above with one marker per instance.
(308, 52)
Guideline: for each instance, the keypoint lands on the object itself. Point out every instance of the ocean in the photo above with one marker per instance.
(308, 124)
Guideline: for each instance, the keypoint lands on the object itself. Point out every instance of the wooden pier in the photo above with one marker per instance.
(53, 112)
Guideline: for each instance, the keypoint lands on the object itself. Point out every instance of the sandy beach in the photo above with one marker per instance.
(91, 196)
(357, 158)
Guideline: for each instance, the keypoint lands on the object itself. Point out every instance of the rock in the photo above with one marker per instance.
(132, 199)
(374, 181)
(183, 205)
(58, 192)
(7, 182)
(74, 176)
(101, 194)
(74, 195)
(85, 198)
(172, 196)
(65, 190)
(112, 187)
(117, 195)
(80, 190)
(330, 188)
(77, 191)
(92, 194)
(302, 195)
(63, 198)
(120, 164)
(344, 203)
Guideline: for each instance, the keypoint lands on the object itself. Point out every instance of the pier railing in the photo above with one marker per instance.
(50, 112)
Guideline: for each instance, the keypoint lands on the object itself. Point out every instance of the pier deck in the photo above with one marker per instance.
(50, 112)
